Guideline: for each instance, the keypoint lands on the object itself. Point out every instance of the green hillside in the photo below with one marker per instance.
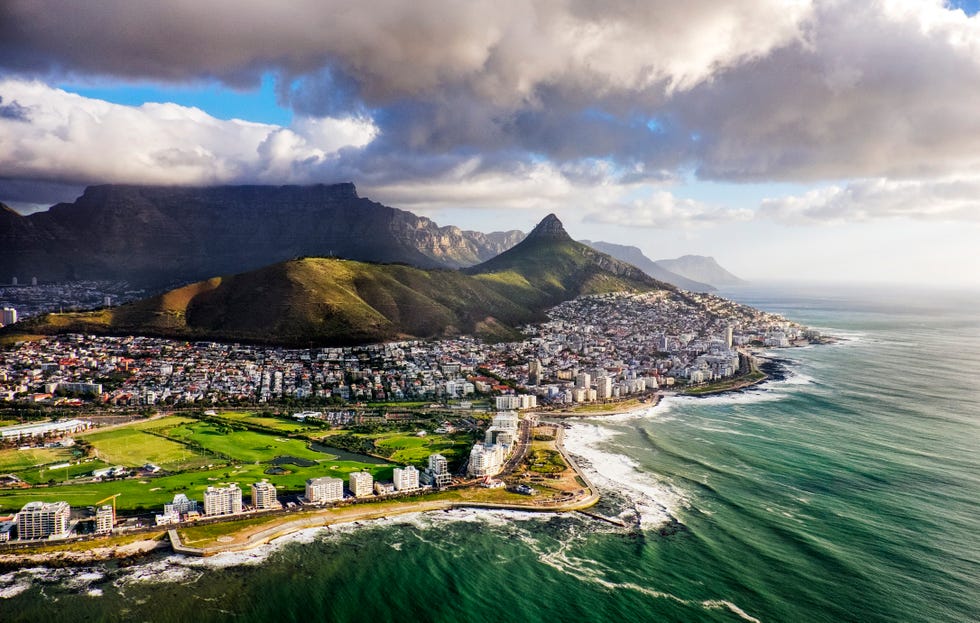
(334, 301)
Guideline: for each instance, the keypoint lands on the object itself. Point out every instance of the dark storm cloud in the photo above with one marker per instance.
(575, 93)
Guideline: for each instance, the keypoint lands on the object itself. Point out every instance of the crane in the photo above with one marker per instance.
(113, 498)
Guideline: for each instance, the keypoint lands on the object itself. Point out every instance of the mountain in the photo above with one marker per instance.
(701, 268)
(548, 267)
(157, 235)
(634, 256)
(334, 301)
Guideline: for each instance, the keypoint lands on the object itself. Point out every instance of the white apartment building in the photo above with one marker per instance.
(406, 478)
(325, 489)
(361, 484)
(41, 520)
(603, 387)
(264, 495)
(223, 500)
(104, 519)
(486, 460)
(508, 402)
(437, 473)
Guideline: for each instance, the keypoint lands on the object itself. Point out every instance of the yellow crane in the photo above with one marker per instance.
(113, 498)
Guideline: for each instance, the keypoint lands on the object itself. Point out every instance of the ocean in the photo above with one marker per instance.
(846, 491)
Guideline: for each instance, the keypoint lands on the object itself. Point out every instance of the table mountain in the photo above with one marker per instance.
(157, 235)
(333, 301)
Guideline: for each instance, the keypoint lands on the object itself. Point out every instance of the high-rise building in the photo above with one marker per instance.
(406, 478)
(534, 372)
(583, 380)
(325, 489)
(223, 500)
(8, 315)
(729, 331)
(105, 518)
(361, 484)
(486, 459)
(603, 387)
(264, 495)
(40, 520)
(437, 473)
(508, 402)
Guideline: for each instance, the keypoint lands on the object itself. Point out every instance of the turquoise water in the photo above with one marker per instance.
(847, 492)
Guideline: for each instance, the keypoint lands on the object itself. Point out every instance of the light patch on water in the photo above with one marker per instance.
(654, 502)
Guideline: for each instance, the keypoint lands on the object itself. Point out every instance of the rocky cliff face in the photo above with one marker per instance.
(155, 235)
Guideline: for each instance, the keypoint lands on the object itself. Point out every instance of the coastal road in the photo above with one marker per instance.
(521, 444)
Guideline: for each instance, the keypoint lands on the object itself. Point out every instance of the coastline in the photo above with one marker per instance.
(280, 526)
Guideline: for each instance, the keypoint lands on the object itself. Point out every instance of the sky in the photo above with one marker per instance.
(789, 139)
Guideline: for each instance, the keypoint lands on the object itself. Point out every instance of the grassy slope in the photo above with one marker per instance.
(332, 301)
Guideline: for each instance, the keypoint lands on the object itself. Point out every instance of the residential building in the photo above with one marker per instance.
(223, 500)
(361, 484)
(41, 520)
(8, 315)
(325, 489)
(508, 402)
(264, 496)
(535, 372)
(486, 460)
(406, 478)
(105, 518)
(437, 472)
(603, 387)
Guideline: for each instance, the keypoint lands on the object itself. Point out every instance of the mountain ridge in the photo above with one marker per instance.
(330, 301)
(702, 268)
(636, 257)
(157, 235)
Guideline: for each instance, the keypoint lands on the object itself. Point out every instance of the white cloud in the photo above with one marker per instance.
(663, 210)
(866, 200)
(64, 136)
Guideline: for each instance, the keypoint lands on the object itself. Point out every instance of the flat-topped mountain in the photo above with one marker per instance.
(155, 235)
(701, 268)
(333, 301)
(634, 256)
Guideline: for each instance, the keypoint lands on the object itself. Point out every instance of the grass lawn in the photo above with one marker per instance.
(41, 475)
(133, 447)
(410, 448)
(274, 423)
(153, 493)
(14, 460)
(244, 445)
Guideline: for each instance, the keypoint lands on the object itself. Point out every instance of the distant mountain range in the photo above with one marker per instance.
(701, 268)
(634, 256)
(158, 235)
(333, 301)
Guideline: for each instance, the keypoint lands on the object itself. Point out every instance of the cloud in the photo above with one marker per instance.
(13, 111)
(433, 104)
(664, 210)
(866, 200)
(70, 138)
(884, 89)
